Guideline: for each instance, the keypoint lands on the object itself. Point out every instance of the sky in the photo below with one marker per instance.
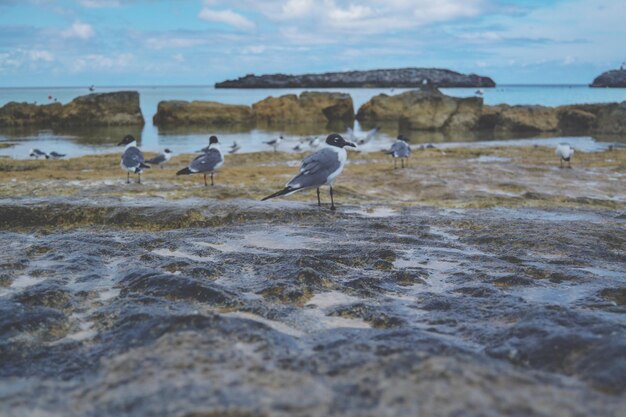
(200, 42)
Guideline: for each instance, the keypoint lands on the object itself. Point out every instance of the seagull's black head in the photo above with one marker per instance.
(402, 138)
(127, 139)
(338, 141)
(166, 150)
(212, 140)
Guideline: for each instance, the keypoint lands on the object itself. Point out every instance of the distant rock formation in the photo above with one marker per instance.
(385, 78)
(103, 109)
(310, 107)
(613, 78)
(430, 110)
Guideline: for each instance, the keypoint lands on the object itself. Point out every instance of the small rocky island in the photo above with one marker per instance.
(613, 78)
(386, 78)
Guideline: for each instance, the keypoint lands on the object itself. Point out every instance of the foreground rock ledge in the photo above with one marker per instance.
(103, 109)
(401, 77)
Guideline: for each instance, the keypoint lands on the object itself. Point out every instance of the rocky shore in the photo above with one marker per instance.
(102, 109)
(613, 78)
(398, 78)
(476, 282)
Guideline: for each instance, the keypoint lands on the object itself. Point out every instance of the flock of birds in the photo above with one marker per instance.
(316, 170)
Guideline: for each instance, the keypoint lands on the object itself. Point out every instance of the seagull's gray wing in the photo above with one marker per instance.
(159, 159)
(371, 134)
(400, 149)
(316, 169)
(206, 162)
(132, 157)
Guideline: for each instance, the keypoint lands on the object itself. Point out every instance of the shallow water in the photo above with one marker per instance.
(80, 142)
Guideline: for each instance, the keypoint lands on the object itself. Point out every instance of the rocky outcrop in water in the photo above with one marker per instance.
(103, 109)
(209, 113)
(425, 109)
(309, 107)
(402, 77)
(428, 109)
(613, 78)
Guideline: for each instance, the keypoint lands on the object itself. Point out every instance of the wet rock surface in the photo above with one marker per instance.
(299, 311)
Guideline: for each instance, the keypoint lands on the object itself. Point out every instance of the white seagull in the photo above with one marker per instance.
(321, 168)
(132, 158)
(368, 136)
(161, 159)
(275, 142)
(234, 148)
(56, 155)
(36, 153)
(314, 142)
(565, 152)
(400, 149)
(209, 162)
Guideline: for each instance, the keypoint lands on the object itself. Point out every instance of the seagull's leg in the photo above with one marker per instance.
(332, 201)
(569, 163)
(319, 203)
(128, 178)
(402, 162)
(212, 184)
(139, 178)
(205, 184)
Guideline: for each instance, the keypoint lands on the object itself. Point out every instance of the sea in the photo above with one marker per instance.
(103, 140)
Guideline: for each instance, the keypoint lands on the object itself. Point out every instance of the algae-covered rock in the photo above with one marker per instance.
(205, 113)
(310, 107)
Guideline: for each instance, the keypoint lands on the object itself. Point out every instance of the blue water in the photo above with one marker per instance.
(153, 140)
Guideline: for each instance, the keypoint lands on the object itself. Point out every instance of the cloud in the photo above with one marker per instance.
(79, 30)
(226, 16)
(100, 62)
(99, 3)
(40, 55)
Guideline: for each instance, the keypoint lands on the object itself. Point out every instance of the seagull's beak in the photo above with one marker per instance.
(350, 144)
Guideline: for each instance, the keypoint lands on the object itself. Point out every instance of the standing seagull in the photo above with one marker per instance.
(565, 152)
(56, 155)
(275, 142)
(36, 153)
(209, 162)
(400, 149)
(161, 159)
(132, 158)
(234, 148)
(319, 169)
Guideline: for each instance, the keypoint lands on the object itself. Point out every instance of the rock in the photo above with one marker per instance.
(575, 120)
(424, 109)
(107, 109)
(402, 77)
(529, 119)
(310, 107)
(613, 78)
(209, 113)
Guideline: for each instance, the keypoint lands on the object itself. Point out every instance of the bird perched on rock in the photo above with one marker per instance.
(56, 155)
(274, 142)
(161, 159)
(400, 149)
(565, 152)
(318, 169)
(207, 163)
(36, 153)
(132, 158)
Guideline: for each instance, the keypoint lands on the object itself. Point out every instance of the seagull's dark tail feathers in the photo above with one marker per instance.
(286, 190)
(142, 165)
(184, 171)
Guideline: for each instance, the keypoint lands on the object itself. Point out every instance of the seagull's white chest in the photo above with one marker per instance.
(342, 156)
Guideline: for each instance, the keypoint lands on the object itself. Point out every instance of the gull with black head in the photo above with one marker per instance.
(132, 158)
(207, 163)
(36, 153)
(274, 142)
(318, 169)
(56, 155)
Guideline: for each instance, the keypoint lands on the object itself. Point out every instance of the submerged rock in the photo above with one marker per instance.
(402, 77)
(103, 109)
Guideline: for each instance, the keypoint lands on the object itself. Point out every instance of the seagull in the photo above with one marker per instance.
(132, 158)
(565, 152)
(56, 155)
(400, 149)
(234, 148)
(275, 142)
(36, 153)
(479, 92)
(368, 136)
(209, 162)
(161, 159)
(321, 168)
(314, 142)
(297, 148)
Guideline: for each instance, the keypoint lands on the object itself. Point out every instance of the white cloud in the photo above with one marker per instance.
(99, 3)
(40, 55)
(226, 16)
(101, 62)
(79, 30)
